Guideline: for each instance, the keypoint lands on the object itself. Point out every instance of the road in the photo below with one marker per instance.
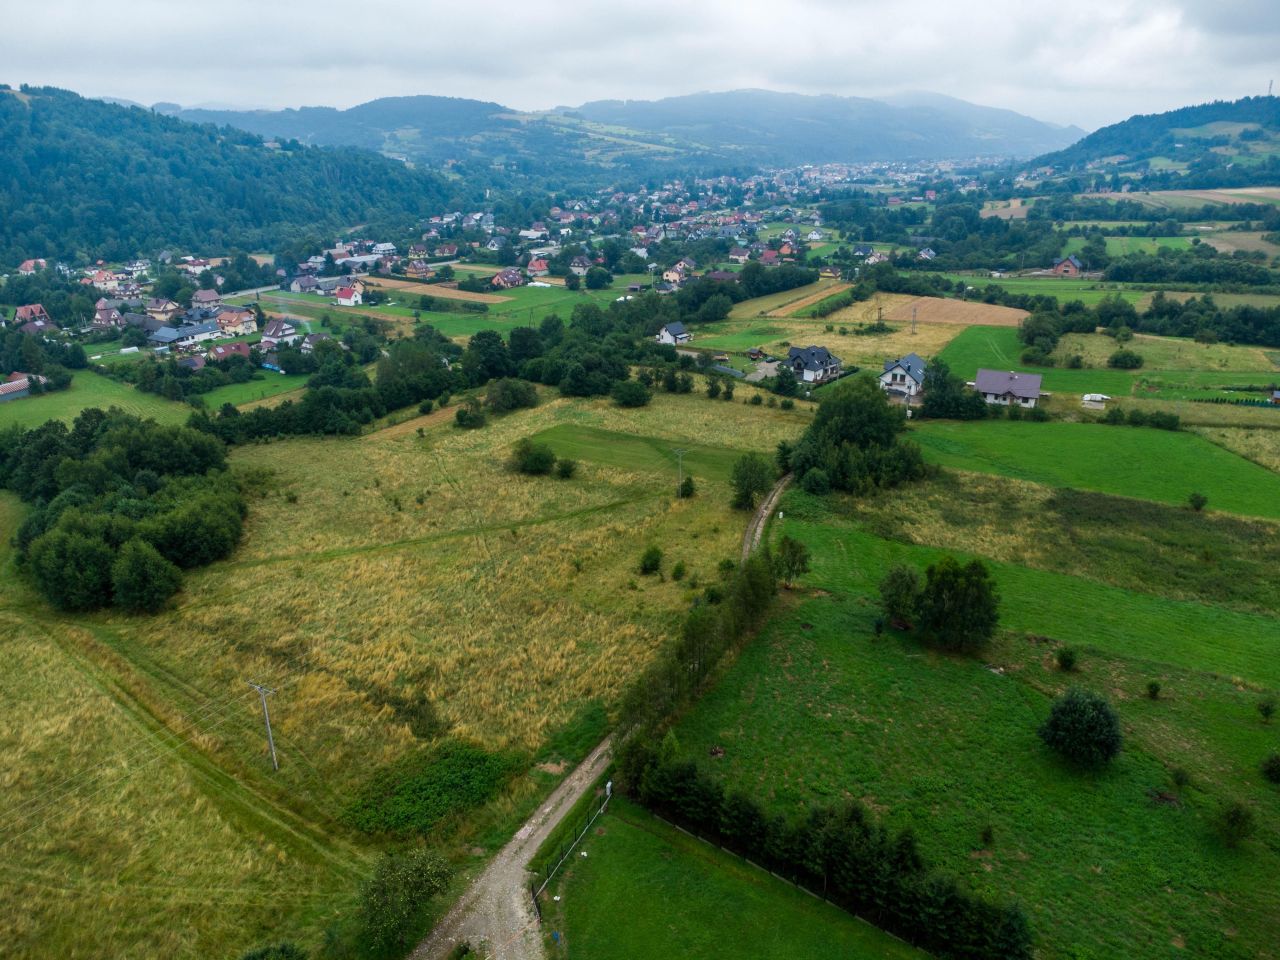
(755, 529)
(495, 914)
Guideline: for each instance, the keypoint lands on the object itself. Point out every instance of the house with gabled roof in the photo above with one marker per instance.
(277, 332)
(1005, 388)
(349, 297)
(903, 377)
(1067, 267)
(508, 278)
(206, 298)
(30, 313)
(813, 364)
(673, 334)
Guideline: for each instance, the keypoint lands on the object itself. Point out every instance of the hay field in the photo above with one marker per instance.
(791, 309)
(1260, 446)
(1168, 353)
(964, 312)
(381, 578)
(777, 302)
(435, 290)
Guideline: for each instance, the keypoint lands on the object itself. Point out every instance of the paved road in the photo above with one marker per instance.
(495, 915)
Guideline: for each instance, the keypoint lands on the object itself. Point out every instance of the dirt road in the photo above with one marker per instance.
(495, 915)
(755, 530)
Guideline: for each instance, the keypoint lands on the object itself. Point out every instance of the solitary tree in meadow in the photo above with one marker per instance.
(752, 477)
(792, 559)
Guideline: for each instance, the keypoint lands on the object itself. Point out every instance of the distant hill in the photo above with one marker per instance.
(750, 127)
(84, 178)
(1200, 142)
(794, 128)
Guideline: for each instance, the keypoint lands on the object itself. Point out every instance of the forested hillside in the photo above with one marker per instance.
(85, 179)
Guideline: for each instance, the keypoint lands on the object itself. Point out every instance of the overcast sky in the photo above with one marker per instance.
(1088, 62)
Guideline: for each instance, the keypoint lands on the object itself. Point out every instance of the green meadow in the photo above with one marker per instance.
(89, 389)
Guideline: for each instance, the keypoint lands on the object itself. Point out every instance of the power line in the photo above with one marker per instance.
(263, 693)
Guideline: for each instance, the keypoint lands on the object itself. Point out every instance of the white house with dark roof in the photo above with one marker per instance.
(904, 376)
(673, 334)
(813, 364)
(1007, 387)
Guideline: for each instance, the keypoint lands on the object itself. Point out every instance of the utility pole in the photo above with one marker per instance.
(913, 321)
(263, 693)
(679, 469)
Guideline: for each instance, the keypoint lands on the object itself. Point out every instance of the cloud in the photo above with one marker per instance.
(1090, 62)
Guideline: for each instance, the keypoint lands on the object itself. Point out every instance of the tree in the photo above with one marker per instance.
(566, 468)
(947, 397)
(752, 477)
(651, 560)
(1235, 824)
(1267, 708)
(73, 570)
(1083, 727)
(1271, 768)
(486, 358)
(630, 393)
(508, 394)
(900, 595)
(394, 896)
(784, 382)
(142, 579)
(1125, 360)
(792, 559)
(958, 607)
(597, 278)
(536, 459)
(1197, 501)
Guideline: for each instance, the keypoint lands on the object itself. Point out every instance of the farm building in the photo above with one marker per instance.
(674, 333)
(1004, 388)
(904, 377)
(814, 364)
(1068, 267)
(18, 385)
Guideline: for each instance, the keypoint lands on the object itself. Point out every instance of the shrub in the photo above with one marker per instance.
(276, 951)
(1114, 416)
(713, 387)
(536, 459)
(509, 394)
(678, 571)
(470, 416)
(565, 468)
(1271, 768)
(686, 488)
(393, 898)
(1181, 779)
(1235, 824)
(651, 560)
(630, 393)
(1197, 501)
(959, 606)
(1066, 658)
(1267, 708)
(816, 482)
(142, 580)
(1153, 689)
(1083, 727)
(899, 595)
(756, 400)
(1125, 360)
(787, 404)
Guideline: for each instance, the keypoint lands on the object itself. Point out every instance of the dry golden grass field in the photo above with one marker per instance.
(380, 578)
(942, 310)
(436, 290)
(791, 309)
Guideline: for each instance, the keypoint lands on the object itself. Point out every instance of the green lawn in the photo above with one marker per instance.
(89, 389)
(1087, 291)
(1122, 246)
(1140, 462)
(632, 452)
(270, 385)
(646, 891)
(1117, 863)
(998, 348)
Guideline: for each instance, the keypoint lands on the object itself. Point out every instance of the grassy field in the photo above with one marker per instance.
(271, 385)
(998, 348)
(1088, 292)
(1138, 462)
(796, 298)
(89, 389)
(650, 892)
(393, 589)
(1123, 246)
(1119, 863)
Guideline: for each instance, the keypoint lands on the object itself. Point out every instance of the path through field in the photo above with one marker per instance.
(755, 529)
(495, 915)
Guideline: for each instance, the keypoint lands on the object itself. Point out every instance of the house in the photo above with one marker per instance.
(739, 255)
(384, 249)
(107, 318)
(206, 298)
(349, 297)
(18, 385)
(236, 322)
(997, 386)
(815, 236)
(496, 243)
(31, 313)
(508, 278)
(39, 328)
(311, 339)
(1275, 396)
(419, 270)
(904, 377)
(863, 251)
(770, 258)
(418, 251)
(143, 322)
(537, 267)
(673, 334)
(829, 273)
(277, 332)
(926, 254)
(447, 250)
(327, 285)
(192, 363)
(225, 351)
(304, 284)
(876, 257)
(1068, 267)
(579, 266)
(813, 364)
(722, 276)
(29, 267)
(162, 309)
